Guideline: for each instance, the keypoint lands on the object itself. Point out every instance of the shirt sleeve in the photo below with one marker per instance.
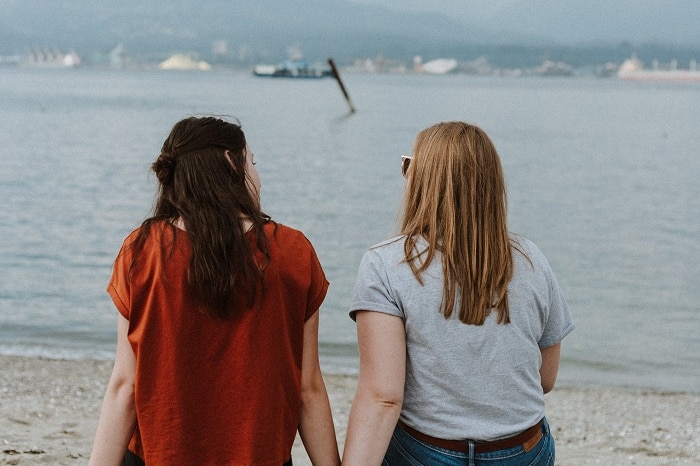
(118, 287)
(559, 321)
(319, 284)
(373, 291)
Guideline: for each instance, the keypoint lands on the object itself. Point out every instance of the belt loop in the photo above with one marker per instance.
(545, 427)
(471, 453)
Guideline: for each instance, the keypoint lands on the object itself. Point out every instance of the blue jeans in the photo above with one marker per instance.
(405, 450)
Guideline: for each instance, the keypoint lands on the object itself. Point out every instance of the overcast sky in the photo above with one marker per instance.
(474, 9)
(572, 20)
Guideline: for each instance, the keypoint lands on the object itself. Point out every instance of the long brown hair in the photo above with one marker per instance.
(207, 190)
(456, 201)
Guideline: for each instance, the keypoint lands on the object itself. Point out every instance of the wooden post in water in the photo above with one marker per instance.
(336, 75)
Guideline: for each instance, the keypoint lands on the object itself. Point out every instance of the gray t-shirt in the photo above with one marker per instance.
(477, 382)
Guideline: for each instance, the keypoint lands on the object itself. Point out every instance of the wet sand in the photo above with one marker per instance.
(49, 410)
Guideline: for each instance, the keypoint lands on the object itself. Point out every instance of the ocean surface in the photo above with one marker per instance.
(602, 175)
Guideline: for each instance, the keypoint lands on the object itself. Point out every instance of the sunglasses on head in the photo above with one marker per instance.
(405, 162)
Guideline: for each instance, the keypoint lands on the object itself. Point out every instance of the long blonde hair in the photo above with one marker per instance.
(456, 201)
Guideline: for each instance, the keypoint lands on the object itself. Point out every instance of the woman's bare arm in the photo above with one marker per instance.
(377, 403)
(550, 366)
(316, 423)
(118, 414)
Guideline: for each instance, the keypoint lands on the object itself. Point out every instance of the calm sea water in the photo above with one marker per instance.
(602, 175)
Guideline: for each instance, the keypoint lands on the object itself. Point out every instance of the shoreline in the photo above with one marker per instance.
(49, 410)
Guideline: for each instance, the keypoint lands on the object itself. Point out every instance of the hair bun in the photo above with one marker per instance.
(164, 167)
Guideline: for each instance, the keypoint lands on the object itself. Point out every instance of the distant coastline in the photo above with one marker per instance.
(630, 68)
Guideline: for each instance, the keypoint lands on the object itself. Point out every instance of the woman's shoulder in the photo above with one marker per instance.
(391, 243)
(155, 225)
(389, 250)
(521, 242)
(285, 234)
(157, 231)
(276, 229)
(529, 251)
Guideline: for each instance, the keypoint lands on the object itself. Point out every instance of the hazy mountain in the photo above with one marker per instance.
(265, 29)
(571, 21)
(336, 26)
(591, 21)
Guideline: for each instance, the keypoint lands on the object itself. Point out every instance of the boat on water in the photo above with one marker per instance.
(293, 69)
(633, 69)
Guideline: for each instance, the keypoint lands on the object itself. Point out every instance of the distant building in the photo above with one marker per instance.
(50, 58)
(437, 66)
(118, 56)
(552, 68)
(220, 49)
(183, 62)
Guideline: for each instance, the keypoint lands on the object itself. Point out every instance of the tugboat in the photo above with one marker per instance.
(293, 69)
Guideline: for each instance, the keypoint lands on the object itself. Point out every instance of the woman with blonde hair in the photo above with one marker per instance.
(459, 321)
(217, 336)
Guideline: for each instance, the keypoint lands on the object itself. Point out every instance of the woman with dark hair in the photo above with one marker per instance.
(217, 338)
(459, 322)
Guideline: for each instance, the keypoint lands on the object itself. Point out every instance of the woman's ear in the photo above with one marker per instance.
(228, 155)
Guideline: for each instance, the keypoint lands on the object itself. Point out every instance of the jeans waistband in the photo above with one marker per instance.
(527, 438)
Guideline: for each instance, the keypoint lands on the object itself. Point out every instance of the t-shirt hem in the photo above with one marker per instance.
(372, 307)
(553, 341)
(118, 303)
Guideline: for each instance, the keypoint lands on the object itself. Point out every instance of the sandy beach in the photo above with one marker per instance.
(49, 410)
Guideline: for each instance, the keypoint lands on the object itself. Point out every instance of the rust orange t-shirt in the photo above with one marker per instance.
(213, 391)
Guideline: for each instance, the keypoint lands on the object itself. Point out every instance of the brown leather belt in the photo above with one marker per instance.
(528, 439)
